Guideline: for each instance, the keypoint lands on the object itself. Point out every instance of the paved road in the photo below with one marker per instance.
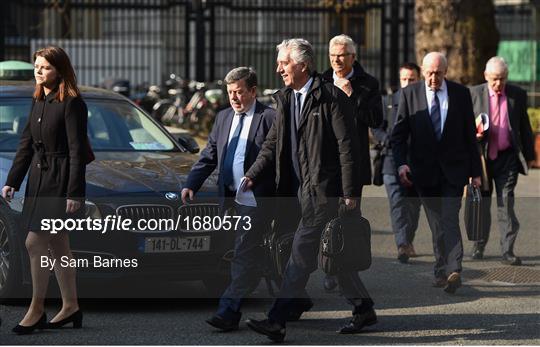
(497, 305)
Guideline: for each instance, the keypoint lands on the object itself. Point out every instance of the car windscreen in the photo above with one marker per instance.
(113, 125)
(13, 118)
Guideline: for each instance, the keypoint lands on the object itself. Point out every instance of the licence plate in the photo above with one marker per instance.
(176, 244)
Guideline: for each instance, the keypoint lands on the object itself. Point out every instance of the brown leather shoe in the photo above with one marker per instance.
(402, 254)
(440, 282)
(454, 282)
(411, 252)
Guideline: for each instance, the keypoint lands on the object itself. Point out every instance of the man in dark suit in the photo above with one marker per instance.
(508, 148)
(233, 145)
(313, 149)
(436, 116)
(347, 74)
(404, 202)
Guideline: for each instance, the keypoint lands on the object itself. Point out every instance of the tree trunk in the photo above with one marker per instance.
(463, 30)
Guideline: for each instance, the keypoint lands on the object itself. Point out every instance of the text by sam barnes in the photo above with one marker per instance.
(97, 262)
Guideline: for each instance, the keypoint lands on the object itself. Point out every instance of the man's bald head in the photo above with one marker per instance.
(434, 67)
(435, 57)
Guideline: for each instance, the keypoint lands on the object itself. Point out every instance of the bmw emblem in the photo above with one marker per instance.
(171, 196)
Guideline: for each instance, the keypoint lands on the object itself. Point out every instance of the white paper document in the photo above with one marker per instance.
(245, 198)
(482, 119)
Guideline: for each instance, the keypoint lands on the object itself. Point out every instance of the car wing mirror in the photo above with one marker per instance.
(187, 141)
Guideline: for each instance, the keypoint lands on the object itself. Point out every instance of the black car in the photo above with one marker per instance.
(138, 174)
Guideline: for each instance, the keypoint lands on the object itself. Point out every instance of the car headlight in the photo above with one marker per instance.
(91, 210)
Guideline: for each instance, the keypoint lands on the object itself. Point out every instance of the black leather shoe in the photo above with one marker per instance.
(294, 316)
(454, 282)
(75, 318)
(359, 321)
(25, 330)
(510, 259)
(403, 257)
(274, 331)
(477, 253)
(329, 283)
(222, 324)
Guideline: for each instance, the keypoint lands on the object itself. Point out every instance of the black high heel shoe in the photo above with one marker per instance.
(75, 318)
(25, 330)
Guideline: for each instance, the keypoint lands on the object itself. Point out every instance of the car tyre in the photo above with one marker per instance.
(10, 256)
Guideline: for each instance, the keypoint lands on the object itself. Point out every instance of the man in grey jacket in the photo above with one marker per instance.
(508, 149)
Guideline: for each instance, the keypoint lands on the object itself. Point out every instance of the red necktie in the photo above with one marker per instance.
(493, 145)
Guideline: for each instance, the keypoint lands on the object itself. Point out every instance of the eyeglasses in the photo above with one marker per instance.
(431, 73)
(340, 55)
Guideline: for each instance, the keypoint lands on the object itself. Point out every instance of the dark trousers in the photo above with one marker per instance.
(503, 176)
(302, 263)
(442, 204)
(245, 269)
(404, 210)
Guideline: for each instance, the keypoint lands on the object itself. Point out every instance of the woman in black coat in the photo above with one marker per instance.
(54, 147)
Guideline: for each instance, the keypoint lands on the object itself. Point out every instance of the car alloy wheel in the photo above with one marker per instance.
(10, 265)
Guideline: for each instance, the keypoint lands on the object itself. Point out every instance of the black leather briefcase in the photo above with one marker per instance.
(279, 250)
(345, 245)
(277, 244)
(473, 213)
(378, 162)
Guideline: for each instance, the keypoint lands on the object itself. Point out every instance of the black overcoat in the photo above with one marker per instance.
(368, 112)
(328, 149)
(53, 147)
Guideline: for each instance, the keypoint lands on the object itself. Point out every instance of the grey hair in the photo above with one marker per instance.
(432, 55)
(345, 40)
(496, 62)
(301, 51)
(245, 73)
